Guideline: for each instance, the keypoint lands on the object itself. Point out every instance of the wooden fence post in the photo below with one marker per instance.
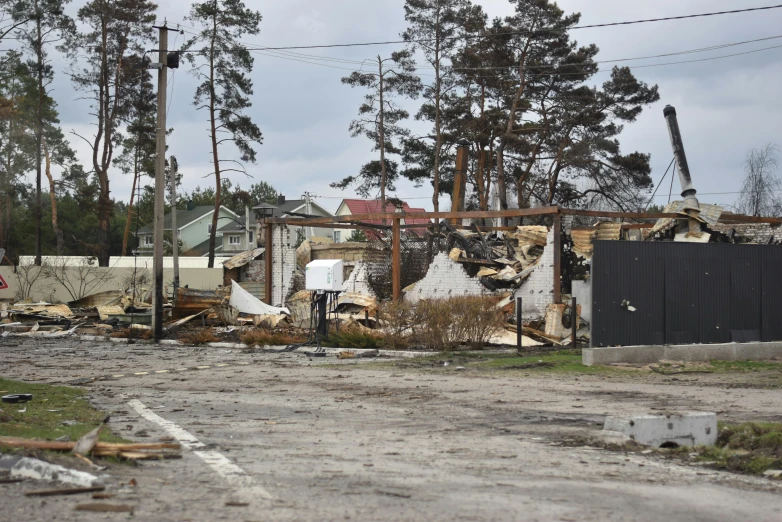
(557, 258)
(396, 260)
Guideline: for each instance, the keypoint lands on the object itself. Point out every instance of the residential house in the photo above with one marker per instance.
(350, 207)
(237, 235)
(292, 207)
(194, 226)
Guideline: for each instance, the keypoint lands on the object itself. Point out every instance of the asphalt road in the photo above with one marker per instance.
(283, 437)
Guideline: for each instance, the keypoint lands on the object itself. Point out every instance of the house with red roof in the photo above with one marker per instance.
(352, 207)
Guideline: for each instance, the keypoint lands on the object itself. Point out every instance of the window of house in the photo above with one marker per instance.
(251, 238)
(233, 240)
(209, 228)
(337, 236)
(148, 240)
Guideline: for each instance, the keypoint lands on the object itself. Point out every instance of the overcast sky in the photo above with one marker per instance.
(725, 106)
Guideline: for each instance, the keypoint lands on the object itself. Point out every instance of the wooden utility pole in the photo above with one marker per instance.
(160, 184)
(460, 178)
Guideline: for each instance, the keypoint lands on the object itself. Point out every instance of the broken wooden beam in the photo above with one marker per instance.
(62, 491)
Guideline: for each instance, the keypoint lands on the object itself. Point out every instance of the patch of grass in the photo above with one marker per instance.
(750, 447)
(44, 416)
(745, 366)
(347, 338)
(562, 361)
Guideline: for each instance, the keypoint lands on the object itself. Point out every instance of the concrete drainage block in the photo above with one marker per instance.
(667, 431)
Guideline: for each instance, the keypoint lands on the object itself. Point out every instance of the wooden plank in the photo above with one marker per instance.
(396, 261)
(635, 226)
(557, 258)
(269, 252)
(606, 214)
(728, 217)
(62, 491)
(482, 214)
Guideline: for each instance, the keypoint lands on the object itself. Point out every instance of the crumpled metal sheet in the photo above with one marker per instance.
(44, 309)
(709, 214)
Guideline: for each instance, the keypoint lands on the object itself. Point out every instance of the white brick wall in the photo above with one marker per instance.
(283, 263)
(445, 278)
(537, 291)
(358, 281)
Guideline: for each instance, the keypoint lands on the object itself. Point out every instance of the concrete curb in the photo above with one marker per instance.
(281, 349)
(688, 353)
(24, 467)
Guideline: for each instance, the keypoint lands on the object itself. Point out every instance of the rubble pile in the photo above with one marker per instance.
(499, 262)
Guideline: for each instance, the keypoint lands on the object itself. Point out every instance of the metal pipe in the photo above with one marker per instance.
(518, 323)
(688, 190)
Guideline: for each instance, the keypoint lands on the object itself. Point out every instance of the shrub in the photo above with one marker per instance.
(198, 337)
(397, 321)
(353, 337)
(444, 324)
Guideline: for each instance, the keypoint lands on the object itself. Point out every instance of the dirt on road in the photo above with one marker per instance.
(288, 437)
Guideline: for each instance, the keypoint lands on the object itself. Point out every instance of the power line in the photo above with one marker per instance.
(556, 73)
(593, 26)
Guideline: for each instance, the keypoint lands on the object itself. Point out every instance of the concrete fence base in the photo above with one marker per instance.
(688, 353)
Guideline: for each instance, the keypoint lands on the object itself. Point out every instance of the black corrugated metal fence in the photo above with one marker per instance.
(684, 293)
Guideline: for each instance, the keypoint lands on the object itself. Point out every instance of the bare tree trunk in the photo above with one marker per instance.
(501, 188)
(437, 127)
(53, 198)
(382, 138)
(215, 157)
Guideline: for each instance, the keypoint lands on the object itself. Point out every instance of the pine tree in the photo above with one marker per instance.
(112, 30)
(379, 118)
(41, 23)
(222, 63)
(139, 146)
(435, 27)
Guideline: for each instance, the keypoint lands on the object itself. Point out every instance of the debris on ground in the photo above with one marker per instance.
(129, 451)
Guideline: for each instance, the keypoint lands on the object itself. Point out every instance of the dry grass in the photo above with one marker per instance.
(262, 337)
(198, 337)
(137, 334)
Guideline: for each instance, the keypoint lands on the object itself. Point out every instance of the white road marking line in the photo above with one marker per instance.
(141, 373)
(202, 367)
(161, 371)
(118, 376)
(221, 365)
(232, 473)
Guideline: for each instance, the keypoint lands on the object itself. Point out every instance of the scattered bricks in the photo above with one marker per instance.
(667, 431)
